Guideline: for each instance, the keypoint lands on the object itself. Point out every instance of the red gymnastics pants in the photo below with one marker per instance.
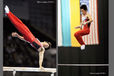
(78, 35)
(23, 29)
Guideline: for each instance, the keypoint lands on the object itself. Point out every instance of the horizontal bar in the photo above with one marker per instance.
(83, 64)
(29, 69)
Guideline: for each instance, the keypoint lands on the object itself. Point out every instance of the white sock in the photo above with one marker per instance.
(82, 47)
(6, 9)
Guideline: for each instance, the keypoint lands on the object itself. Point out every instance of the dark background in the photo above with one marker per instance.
(40, 17)
(83, 71)
(95, 54)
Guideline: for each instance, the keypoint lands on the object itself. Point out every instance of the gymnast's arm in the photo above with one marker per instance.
(15, 34)
(90, 19)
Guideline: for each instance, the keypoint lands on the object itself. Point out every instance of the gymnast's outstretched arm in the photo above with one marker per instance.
(41, 57)
(15, 34)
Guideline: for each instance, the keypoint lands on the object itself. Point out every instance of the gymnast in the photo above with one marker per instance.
(86, 20)
(27, 36)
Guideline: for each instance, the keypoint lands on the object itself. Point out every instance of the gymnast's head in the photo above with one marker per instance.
(83, 9)
(46, 44)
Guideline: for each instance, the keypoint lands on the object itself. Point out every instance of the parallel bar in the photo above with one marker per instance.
(29, 69)
(83, 64)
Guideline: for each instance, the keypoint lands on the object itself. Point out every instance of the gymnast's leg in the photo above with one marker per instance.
(17, 22)
(78, 35)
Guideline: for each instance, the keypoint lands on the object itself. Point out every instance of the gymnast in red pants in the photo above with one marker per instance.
(27, 35)
(86, 20)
